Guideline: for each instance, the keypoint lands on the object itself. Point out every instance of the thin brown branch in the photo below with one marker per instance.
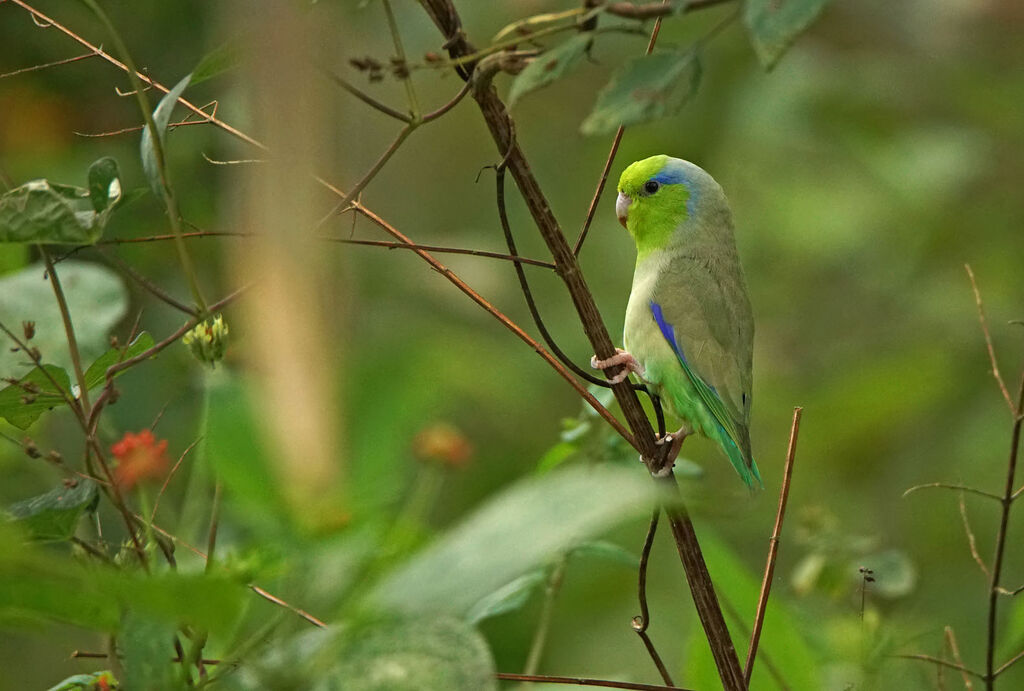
(643, 620)
(988, 341)
(85, 654)
(495, 114)
(434, 115)
(945, 663)
(540, 635)
(773, 545)
(167, 480)
(150, 287)
(34, 68)
(955, 649)
(1000, 549)
(664, 7)
(961, 488)
(69, 330)
(366, 98)
(444, 250)
(1009, 663)
(138, 128)
(972, 541)
(37, 15)
(582, 681)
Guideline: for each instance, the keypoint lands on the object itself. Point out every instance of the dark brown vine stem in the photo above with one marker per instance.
(446, 18)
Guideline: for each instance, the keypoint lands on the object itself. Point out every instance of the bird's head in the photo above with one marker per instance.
(656, 195)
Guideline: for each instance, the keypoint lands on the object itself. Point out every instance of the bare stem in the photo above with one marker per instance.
(540, 636)
(955, 649)
(773, 545)
(69, 330)
(582, 681)
(641, 622)
(988, 341)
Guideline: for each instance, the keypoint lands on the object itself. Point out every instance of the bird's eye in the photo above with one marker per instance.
(651, 186)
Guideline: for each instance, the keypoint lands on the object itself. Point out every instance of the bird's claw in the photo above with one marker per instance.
(621, 358)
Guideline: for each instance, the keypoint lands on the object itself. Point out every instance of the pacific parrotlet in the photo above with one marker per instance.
(689, 331)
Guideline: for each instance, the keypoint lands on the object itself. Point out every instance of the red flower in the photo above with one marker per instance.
(139, 457)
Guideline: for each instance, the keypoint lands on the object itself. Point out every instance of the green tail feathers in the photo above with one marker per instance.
(742, 462)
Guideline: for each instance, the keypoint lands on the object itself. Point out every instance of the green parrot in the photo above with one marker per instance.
(689, 331)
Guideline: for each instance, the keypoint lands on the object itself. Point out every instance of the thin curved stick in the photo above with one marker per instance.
(641, 622)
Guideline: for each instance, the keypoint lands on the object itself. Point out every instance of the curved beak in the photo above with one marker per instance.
(622, 208)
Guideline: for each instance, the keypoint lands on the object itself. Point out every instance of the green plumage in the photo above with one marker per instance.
(688, 275)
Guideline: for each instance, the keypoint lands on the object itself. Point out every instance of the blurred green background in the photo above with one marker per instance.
(877, 158)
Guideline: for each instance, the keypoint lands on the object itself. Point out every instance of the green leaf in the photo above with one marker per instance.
(383, 655)
(522, 528)
(38, 585)
(608, 551)
(97, 301)
(44, 212)
(87, 682)
(54, 515)
(161, 116)
(146, 645)
(221, 59)
(550, 66)
(507, 598)
(97, 372)
(773, 25)
(21, 404)
(645, 88)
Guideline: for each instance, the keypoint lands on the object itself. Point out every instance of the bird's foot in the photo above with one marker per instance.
(621, 358)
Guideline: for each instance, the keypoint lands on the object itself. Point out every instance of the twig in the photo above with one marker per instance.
(396, 38)
(524, 284)
(961, 488)
(211, 538)
(150, 287)
(955, 649)
(167, 480)
(617, 139)
(1009, 663)
(85, 654)
(444, 250)
(69, 330)
(945, 663)
(434, 115)
(278, 601)
(136, 128)
(972, 542)
(1004, 520)
(366, 98)
(773, 545)
(988, 341)
(33, 68)
(643, 620)
(582, 681)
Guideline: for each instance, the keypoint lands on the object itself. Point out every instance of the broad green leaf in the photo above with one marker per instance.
(645, 88)
(780, 639)
(221, 59)
(36, 586)
(161, 116)
(522, 528)
(44, 212)
(555, 456)
(608, 551)
(21, 404)
(88, 682)
(550, 66)
(384, 655)
(507, 598)
(97, 301)
(146, 644)
(774, 24)
(97, 372)
(54, 515)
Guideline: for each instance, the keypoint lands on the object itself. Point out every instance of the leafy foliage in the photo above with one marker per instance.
(44, 212)
(645, 88)
(773, 25)
(161, 118)
(54, 515)
(550, 66)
